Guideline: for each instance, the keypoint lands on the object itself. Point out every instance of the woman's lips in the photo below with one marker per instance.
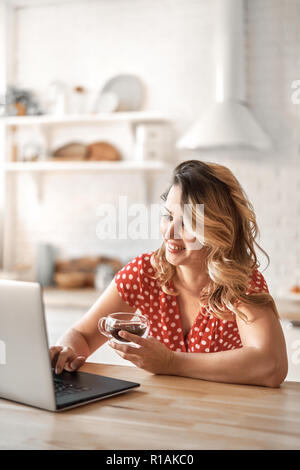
(174, 248)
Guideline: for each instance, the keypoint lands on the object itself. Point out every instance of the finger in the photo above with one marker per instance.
(123, 348)
(78, 362)
(54, 352)
(134, 338)
(74, 364)
(128, 357)
(65, 356)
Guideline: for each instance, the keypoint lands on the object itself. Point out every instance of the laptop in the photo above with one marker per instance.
(26, 374)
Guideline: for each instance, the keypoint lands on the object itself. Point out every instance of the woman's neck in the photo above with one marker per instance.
(193, 278)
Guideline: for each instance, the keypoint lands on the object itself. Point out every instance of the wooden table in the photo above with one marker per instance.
(165, 412)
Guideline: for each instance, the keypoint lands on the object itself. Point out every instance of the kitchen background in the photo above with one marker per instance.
(65, 53)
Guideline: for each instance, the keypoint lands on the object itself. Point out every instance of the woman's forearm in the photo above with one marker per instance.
(75, 340)
(246, 365)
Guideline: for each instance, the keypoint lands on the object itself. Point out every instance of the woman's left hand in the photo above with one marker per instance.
(151, 355)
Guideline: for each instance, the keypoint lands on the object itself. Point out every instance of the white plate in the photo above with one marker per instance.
(129, 90)
(107, 102)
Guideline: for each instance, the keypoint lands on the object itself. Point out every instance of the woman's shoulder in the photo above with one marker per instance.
(137, 271)
(257, 282)
(140, 264)
(134, 281)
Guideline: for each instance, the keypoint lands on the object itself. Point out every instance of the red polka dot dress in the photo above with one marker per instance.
(208, 333)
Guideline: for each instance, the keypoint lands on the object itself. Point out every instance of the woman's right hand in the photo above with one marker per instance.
(64, 357)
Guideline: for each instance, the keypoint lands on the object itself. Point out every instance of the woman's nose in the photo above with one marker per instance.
(174, 230)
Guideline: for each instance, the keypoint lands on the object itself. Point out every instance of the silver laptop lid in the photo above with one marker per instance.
(25, 367)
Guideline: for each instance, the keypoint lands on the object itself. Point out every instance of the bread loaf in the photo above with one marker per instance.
(102, 151)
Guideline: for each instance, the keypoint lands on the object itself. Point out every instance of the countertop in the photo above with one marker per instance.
(165, 412)
(288, 308)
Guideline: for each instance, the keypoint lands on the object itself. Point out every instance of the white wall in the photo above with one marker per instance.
(168, 44)
(164, 42)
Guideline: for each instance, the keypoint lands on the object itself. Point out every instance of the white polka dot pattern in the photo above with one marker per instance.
(208, 334)
(257, 283)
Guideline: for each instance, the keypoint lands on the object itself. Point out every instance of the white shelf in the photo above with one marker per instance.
(31, 3)
(131, 117)
(50, 166)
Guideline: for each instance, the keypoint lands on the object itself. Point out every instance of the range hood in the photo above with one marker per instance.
(229, 122)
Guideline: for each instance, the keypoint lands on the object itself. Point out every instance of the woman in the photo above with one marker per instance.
(211, 315)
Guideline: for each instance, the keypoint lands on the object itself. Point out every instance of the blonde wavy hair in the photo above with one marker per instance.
(230, 238)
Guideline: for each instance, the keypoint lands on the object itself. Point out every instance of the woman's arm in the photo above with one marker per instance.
(261, 361)
(83, 338)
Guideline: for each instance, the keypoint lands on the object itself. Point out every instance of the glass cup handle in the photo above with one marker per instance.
(101, 328)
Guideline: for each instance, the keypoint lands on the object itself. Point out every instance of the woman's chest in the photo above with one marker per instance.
(189, 309)
(182, 321)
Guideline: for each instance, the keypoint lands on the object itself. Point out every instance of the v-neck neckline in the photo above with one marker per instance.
(185, 338)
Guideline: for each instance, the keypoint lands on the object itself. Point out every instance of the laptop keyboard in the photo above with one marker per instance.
(62, 388)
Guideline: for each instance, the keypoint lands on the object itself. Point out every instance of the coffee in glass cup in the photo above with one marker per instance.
(134, 323)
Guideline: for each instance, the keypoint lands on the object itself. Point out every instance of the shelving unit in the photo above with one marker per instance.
(129, 117)
(49, 166)
(10, 168)
(48, 125)
(10, 125)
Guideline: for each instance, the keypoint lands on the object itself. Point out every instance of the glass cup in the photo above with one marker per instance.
(134, 323)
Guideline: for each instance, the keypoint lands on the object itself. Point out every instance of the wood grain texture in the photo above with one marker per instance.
(166, 412)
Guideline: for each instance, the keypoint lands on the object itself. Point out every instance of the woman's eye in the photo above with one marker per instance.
(170, 217)
(166, 216)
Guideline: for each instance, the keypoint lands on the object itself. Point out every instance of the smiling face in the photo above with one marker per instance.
(179, 242)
